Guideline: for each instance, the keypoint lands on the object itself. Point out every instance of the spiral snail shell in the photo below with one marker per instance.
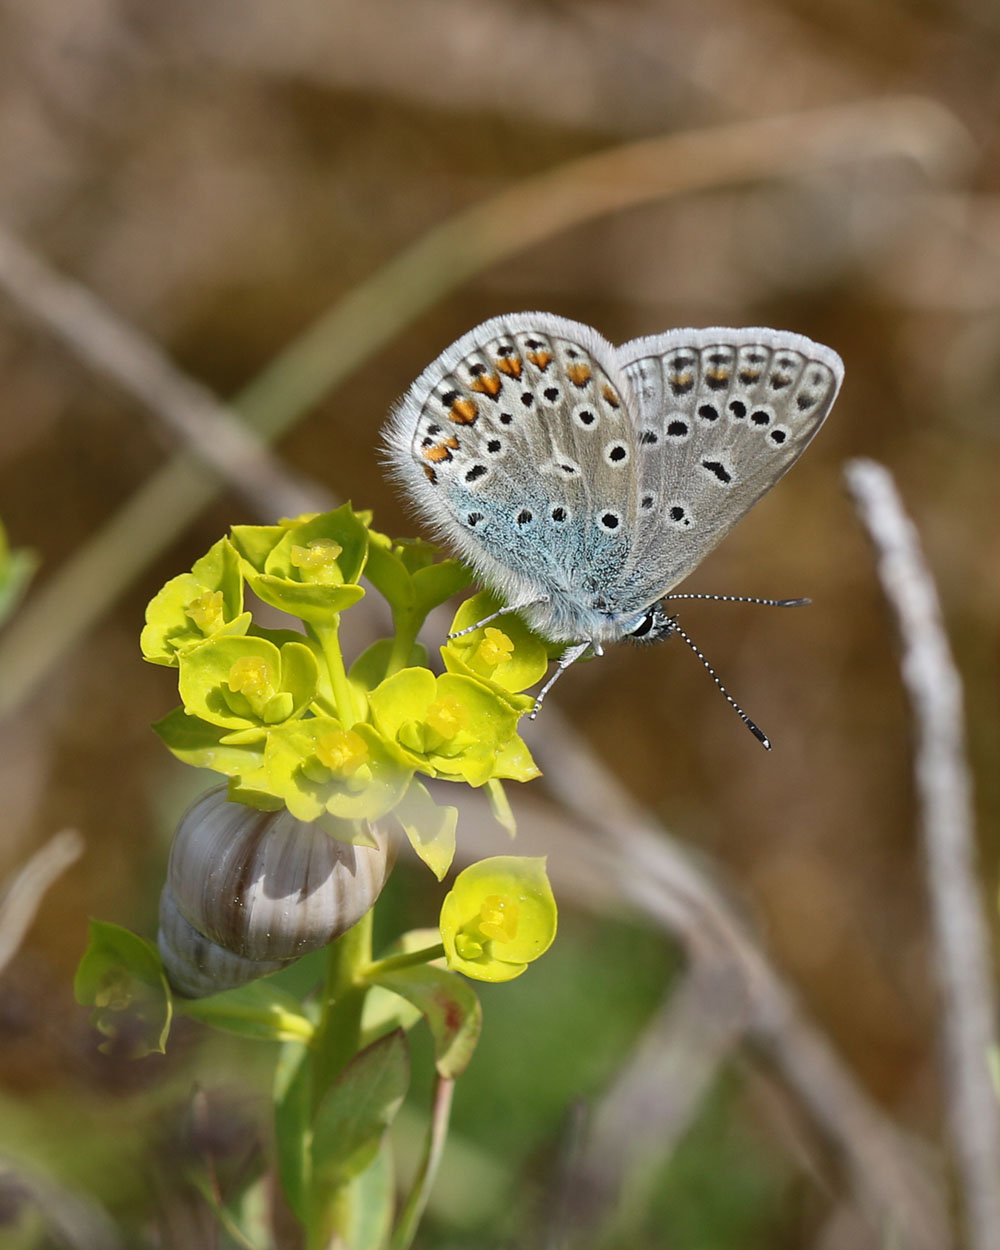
(249, 891)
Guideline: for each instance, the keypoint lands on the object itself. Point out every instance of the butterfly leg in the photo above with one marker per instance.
(511, 607)
(568, 657)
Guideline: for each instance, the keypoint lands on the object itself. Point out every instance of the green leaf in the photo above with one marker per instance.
(299, 673)
(357, 1109)
(436, 583)
(292, 1125)
(390, 577)
(384, 1011)
(198, 743)
(369, 1200)
(256, 542)
(496, 796)
(406, 574)
(243, 1218)
(415, 553)
(429, 828)
(121, 976)
(513, 762)
(259, 1010)
(311, 601)
(450, 1007)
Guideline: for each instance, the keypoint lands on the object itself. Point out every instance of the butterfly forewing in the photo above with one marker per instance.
(720, 415)
(517, 444)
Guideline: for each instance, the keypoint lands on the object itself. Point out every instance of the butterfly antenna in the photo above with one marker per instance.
(756, 730)
(767, 603)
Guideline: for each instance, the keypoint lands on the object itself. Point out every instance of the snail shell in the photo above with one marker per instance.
(195, 965)
(261, 887)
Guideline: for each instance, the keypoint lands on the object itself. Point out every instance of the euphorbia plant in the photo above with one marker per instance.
(325, 764)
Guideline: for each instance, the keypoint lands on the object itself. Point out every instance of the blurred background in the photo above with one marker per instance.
(381, 175)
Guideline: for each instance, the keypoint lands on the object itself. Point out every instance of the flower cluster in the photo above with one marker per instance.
(279, 712)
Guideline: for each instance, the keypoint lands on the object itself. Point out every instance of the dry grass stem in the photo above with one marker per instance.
(944, 789)
(26, 889)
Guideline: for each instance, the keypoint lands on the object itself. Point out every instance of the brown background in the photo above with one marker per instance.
(221, 174)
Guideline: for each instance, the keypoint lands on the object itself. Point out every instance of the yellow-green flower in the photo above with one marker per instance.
(499, 916)
(449, 726)
(505, 654)
(317, 766)
(205, 603)
(309, 567)
(247, 685)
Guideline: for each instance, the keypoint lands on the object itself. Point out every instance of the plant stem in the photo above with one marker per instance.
(424, 956)
(416, 1200)
(328, 637)
(407, 628)
(339, 1028)
(334, 1045)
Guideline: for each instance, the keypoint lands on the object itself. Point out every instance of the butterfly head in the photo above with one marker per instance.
(653, 625)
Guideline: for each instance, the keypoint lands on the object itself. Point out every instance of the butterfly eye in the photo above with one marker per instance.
(645, 625)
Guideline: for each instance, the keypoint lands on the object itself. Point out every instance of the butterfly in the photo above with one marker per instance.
(584, 481)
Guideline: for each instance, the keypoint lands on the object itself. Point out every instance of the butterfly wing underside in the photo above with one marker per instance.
(517, 445)
(720, 415)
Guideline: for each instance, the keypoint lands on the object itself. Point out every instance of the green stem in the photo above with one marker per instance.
(416, 1199)
(339, 1029)
(328, 637)
(424, 956)
(407, 628)
(335, 1043)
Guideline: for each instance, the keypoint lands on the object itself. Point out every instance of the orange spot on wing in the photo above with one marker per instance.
(431, 475)
(511, 365)
(610, 395)
(451, 441)
(464, 411)
(488, 384)
(717, 375)
(541, 360)
(437, 453)
(579, 374)
(749, 375)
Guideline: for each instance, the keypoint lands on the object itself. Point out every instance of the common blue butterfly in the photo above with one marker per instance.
(583, 481)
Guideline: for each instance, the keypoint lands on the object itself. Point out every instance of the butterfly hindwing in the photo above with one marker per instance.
(720, 415)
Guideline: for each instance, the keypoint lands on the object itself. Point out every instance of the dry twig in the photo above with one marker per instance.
(25, 891)
(944, 790)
